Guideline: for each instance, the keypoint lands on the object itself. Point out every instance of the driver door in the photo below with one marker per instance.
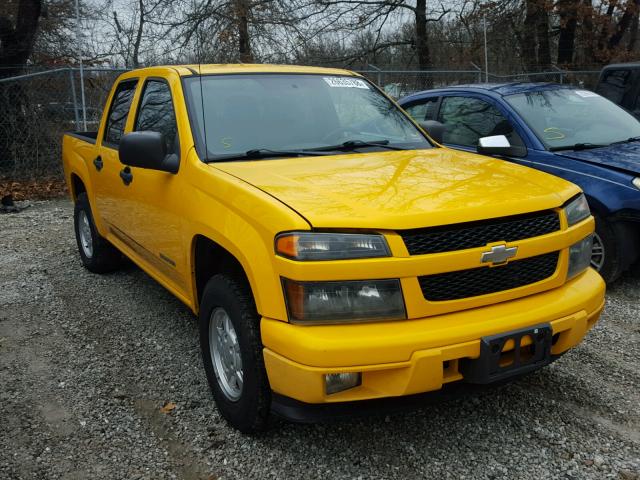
(154, 202)
(467, 119)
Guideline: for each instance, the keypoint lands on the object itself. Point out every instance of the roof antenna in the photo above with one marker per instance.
(199, 58)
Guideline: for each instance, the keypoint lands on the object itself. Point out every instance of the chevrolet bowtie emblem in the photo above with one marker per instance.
(498, 254)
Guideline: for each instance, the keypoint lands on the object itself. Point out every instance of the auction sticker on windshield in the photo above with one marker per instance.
(586, 93)
(343, 82)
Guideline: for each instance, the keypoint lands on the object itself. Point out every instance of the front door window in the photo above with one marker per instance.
(469, 119)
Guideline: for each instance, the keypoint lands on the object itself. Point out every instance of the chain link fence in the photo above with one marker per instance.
(37, 108)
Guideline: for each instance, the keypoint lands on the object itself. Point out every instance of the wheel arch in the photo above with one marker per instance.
(76, 185)
(210, 258)
(597, 206)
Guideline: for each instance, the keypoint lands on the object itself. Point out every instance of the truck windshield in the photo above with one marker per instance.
(567, 118)
(293, 113)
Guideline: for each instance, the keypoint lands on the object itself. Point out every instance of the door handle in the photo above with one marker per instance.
(126, 175)
(98, 163)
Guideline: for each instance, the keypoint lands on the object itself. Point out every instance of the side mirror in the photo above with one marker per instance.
(147, 150)
(434, 129)
(499, 145)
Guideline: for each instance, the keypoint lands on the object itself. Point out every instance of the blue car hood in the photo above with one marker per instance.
(624, 156)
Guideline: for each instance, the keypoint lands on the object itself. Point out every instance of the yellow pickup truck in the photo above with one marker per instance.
(333, 252)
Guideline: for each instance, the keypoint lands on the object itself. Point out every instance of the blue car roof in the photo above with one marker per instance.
(501, 89)
(622, 66)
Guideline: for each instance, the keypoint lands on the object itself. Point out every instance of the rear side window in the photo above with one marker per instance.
(469, 119)
(614, 85)
(156, 113)
(424, 109)
(119, 111)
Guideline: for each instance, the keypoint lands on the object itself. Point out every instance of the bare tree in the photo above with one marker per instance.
(18, 26)
(131, 30)
(353, 15)
(568, 13)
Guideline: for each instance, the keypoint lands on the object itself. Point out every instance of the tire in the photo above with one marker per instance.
(246, 405)
(607, 252)
(96, 253)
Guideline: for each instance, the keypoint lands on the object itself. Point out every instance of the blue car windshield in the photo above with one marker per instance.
(232, 114)
(564, 118)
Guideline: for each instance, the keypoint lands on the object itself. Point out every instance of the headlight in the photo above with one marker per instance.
(330, 302)
(636, 182)
(580, 256)
(330, 246)
(577, 210)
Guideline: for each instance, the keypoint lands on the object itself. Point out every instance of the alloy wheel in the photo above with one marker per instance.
(224, 349)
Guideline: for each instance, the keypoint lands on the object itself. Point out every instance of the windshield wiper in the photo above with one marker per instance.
(578, 146)
(257, 153)
(354, 144)
(628, 140)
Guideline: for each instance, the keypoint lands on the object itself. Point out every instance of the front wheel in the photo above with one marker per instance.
(232, 353)
(607, 251)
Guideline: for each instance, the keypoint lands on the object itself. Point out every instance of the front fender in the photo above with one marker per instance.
(244, 221)
(608, 191)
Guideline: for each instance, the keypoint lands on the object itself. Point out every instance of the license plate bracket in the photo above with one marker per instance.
(494, 365)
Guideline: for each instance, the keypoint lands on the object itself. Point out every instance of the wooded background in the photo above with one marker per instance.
(523, 35)
(417, 44)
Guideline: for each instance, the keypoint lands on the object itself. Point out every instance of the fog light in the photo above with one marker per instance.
(339, 382)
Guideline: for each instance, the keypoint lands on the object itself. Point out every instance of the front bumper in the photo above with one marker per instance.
(409, 357)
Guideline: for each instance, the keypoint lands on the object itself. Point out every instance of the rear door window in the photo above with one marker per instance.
(119, 111)
(468, 119)
(156, 113)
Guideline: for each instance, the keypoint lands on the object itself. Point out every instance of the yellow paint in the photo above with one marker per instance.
(406, 189)
(401, 358)
(242, 206)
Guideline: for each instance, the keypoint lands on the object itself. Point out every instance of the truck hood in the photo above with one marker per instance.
(624, 156)
(402, 189)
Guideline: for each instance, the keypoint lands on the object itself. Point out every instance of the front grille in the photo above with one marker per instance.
(421, 241)
(485, 280)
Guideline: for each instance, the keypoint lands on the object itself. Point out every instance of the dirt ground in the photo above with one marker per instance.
(88, 362)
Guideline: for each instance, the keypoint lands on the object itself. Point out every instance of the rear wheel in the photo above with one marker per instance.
(232, 353)
(96, 253)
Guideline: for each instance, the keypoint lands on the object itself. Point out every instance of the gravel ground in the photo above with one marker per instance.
(87, 362)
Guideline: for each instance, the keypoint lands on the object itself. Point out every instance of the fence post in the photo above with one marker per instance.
(479, 71)
(379, 75)
(74, 99)
(560, 73)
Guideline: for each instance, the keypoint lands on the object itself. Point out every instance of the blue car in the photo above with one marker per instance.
(570, 132)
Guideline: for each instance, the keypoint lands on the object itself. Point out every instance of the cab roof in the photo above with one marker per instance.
(212, 69)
